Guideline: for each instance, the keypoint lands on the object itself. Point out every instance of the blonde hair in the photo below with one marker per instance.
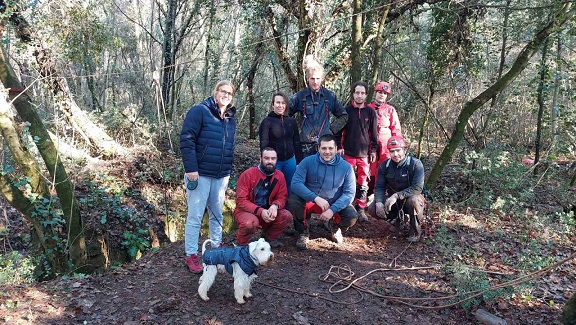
(311, 65)
(223, 83)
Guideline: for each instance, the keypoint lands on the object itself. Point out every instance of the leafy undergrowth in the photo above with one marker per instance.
(493, 237)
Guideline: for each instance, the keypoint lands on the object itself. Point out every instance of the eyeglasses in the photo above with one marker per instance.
(226, 92)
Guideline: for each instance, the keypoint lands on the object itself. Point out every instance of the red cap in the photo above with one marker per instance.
(383, 86)
(396, 142)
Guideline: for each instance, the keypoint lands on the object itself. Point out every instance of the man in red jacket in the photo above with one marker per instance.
(261, 195)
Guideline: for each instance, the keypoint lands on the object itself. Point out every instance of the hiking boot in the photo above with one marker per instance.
(194, 264)
(289, 231)
(275, 243)
(302, 242)
(337, 235)
(362, 216)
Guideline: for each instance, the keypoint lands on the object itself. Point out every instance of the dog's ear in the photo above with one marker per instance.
(262, 240)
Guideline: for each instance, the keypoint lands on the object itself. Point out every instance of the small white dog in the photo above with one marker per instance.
(241, 262)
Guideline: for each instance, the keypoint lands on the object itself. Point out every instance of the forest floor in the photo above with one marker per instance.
(394, 282)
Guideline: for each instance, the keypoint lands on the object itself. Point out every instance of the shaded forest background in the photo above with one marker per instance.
(94, 94)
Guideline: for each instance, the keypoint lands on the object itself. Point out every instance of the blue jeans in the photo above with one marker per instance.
(288, 168)
(209, 194)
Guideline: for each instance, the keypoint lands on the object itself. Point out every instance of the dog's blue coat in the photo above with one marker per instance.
(227, 256)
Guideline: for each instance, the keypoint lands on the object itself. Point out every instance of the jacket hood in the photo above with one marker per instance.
(210, 102)
(274, 115)
(333, 162)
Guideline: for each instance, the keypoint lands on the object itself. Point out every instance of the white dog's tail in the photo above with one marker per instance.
(212, 243)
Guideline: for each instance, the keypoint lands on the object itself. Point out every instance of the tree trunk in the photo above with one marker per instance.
(554, 109)
(92, 134)
(542, 84)
(58, 175)
(377, 53)
(425, 121)
(89, 131)
(471, 106)
(250, 86)
(168, 56)
(569, 312)
(481, 143)
(283, 56)
(303, 41)
(356, 49)
(24, 161)
(90, 81)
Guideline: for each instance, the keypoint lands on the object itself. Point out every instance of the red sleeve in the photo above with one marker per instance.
(243, 189)
(395, 128)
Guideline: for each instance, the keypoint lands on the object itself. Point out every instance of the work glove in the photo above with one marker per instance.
(380, 212)
(390, 202)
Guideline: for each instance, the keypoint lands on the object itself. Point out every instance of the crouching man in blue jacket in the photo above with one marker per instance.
(324, 183)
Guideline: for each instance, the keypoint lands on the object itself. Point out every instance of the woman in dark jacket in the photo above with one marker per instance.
(280, 132)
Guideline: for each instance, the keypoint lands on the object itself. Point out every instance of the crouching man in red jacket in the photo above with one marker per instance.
(261, 195)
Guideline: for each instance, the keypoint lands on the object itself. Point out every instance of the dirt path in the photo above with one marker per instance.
(158, 289)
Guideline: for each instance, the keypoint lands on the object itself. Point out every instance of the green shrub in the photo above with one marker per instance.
(467, 280)
(16, 268)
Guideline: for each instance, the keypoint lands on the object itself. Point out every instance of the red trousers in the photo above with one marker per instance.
(249, 223)
(362, 168)
(311, 207)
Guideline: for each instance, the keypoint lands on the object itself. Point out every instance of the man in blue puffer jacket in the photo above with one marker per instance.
(207, 145)
(325, 184)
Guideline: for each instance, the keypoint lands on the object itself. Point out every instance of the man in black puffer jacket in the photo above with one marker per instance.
(398, 190)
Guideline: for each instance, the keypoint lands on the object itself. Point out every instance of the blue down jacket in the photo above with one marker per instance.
(207, 140)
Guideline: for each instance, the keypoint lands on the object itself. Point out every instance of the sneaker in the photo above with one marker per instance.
(275, 243)
(362, 215)
(337, 235)
(194, 264)
(302, 242)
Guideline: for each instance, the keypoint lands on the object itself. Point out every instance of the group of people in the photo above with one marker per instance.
(317, 158)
